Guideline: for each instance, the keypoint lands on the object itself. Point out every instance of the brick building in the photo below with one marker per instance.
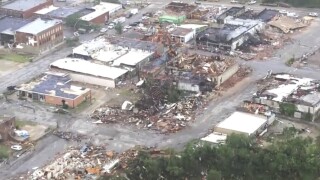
(39, 35)
(55, 89)
(7, 125)
(24, 8)
(101, 13)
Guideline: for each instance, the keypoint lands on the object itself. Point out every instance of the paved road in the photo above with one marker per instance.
(119, 137)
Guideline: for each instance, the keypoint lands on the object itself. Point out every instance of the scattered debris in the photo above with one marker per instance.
(69, 136)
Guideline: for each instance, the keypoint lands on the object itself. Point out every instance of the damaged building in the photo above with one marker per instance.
(87, 72)
(39, 35)
(232, 12)
(7, 126)
(180, 8)
(55, 89)
(230, 36)
(8, 28)
(128, 54)
(199, 73)
(291, 96)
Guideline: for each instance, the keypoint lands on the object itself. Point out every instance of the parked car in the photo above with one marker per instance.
(234, 2)
(102, 30)
(129, 15)
(127, 27)
(134, 11)
(16, 147)
(197, 2)
(313, 14)
(252, 2)
(283, 11)
(111, 25)
(292, 14)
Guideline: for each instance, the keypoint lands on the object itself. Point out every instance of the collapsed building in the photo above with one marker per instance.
(199, 73)
(291, 96)
(287, 24)
(7, 126)
(230, 36)
(232, 12)
(180, 7)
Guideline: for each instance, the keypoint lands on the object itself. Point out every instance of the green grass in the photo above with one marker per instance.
(20, 123)
(4, 152)
(15, 58)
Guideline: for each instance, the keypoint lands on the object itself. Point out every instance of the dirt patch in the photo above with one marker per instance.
(35, 131)
(7, 67)
(306, 129)
(314, 60)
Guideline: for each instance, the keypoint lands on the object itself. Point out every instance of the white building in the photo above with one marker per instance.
(182, 35)
(242, 123)
(91, 73)
(101, 12)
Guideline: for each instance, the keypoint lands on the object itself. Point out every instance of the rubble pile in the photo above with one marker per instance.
(241, 73)
(262, 46)
(198, 64)
(87, 162)
(69, 135)
(167, 118)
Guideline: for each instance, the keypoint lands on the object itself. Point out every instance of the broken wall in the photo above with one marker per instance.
(226, 75)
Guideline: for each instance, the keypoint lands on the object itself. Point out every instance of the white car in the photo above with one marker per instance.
(252, 2)
(144, 17)
(103, 30)
(234, 2)
(127, 27)
(313, 14)
(283, 12)
(16, 147)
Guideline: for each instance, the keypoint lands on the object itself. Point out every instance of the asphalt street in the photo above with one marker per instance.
(120, 137)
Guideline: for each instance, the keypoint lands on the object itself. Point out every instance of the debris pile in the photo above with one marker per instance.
(87, 162)
(241, 74)
(69, 135)
(199, 65)
(167, 118)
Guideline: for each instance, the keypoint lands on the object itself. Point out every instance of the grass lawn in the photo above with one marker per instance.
(4, 151)
(15, 58)
(20, 123)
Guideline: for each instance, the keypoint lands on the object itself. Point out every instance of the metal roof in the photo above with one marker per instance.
(23, 5)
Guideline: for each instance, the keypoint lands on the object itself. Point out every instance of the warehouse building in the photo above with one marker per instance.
(243, 123)
(88, 72)
(24, 8)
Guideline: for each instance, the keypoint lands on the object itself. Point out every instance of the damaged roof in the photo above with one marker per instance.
(54, 84)
(10, 24)
(267, 14)
(179, 31)
(37, 26)
(285, 88)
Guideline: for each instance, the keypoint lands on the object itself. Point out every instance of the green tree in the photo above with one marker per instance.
(214, 175)
(119, 28)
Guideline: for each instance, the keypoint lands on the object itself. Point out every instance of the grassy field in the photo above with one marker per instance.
(15, 58)
(20, 123)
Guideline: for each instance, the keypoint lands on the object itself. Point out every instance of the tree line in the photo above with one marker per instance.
(298, 3)
(293, 158)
